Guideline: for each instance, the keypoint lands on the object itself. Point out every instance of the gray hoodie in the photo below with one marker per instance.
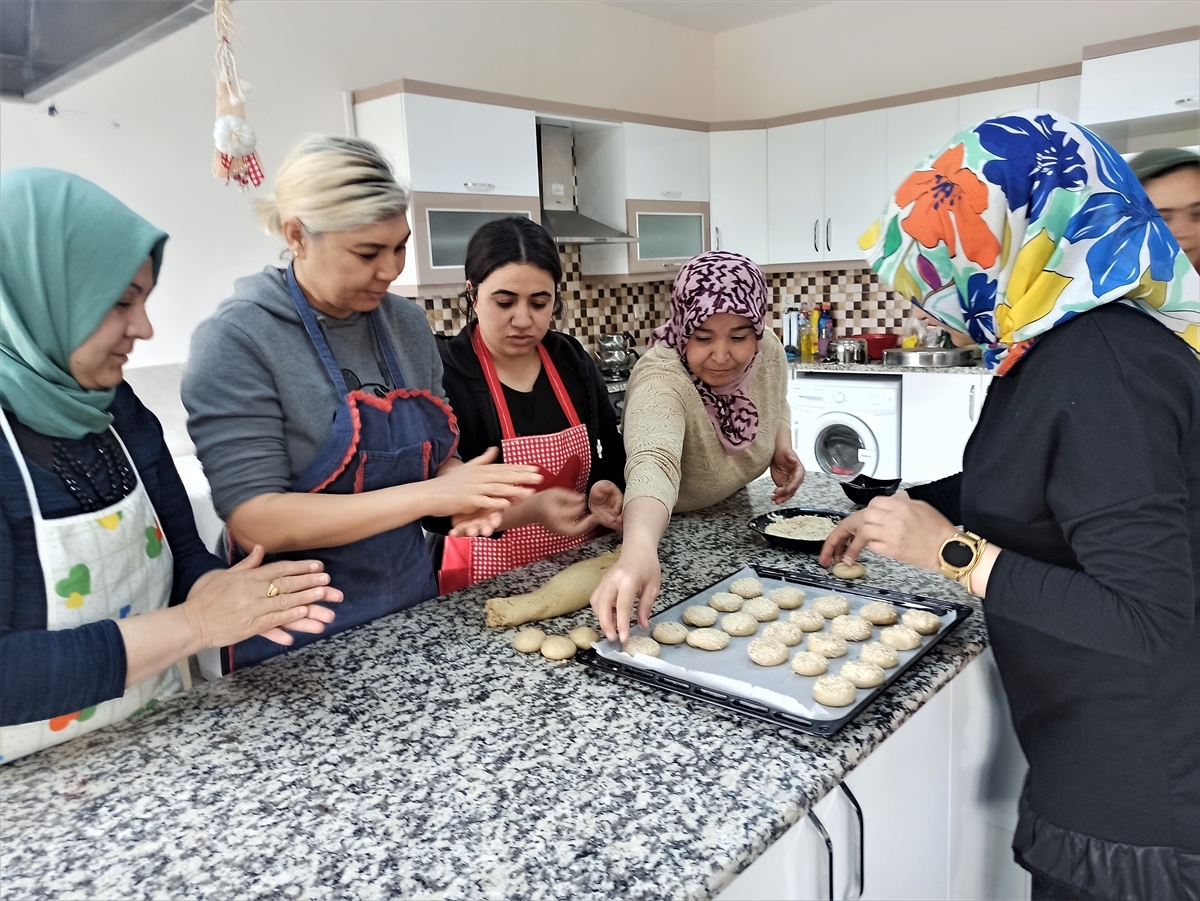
(260, 404)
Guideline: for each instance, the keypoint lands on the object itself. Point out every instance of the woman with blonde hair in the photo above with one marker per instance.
(315, 400)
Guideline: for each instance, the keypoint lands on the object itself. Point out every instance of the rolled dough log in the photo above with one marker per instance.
(565, 592)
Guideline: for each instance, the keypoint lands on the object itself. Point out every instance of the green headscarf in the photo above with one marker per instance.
(68, 251)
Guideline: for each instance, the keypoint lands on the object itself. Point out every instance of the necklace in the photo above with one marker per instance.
(94, 487)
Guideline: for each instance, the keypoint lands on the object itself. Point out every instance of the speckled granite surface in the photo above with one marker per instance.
(420, 758)
(880, 369)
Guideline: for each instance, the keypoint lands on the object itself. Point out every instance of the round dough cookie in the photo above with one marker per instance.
(765, 652)
(640, 644)
(787, 597)
(827, 645)
(761, 609)
(806, 663)
(558, 647)
(726, 602)
(747, 588)
(863, 675)
(878, 613)
(785, 633)
(851, 628)
(529, 640)
(670, 633)
(902, 638)
(739, 624)
(708, 639)
(922, 620)
(849, 570)
(808, 620)
(834, 691)
(584, 636)
(880, 654)
(831, 605)
(700, 616)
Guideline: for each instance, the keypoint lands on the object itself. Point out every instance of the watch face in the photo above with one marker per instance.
(958, 554)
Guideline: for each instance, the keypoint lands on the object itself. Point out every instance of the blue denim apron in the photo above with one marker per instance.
(375, 443)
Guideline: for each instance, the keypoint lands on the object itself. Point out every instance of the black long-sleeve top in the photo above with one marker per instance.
(1085, 469)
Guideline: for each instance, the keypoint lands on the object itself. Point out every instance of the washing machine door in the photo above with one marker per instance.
(844, 447)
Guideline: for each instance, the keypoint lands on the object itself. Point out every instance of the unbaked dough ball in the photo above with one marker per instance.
(527, 641)
(878, 613)
(922, 620)
(787, 597)
(863, 675)
(558, 647)
(640, 644)
(880, 654)
(584, 636)
(851, 628)
(831, 605)
(806, 663)
(708, 639)
(747, 588)
(785, 633)
(834, 691)
(762, 609)
(808, 620)
(670, 633)
(827, 645)
(700, 616)
(726, 602)
(739, 624)
(902, 638)
(765, 652)
(849, 570)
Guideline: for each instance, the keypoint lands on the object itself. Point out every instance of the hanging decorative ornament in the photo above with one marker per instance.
(235, 159)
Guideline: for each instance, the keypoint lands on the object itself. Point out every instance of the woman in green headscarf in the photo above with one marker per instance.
(104, 584)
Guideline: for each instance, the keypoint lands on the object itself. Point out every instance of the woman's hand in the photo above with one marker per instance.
(897, 527)
(231, 605)
(476, 523)
(561, 510)
(607, 502)
(479, 485)
(636, 578)
(787, 472)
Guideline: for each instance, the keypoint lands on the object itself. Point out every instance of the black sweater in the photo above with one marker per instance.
(1085, 469)
(536, 412)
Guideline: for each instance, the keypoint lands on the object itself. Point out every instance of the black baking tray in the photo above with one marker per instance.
(759, 524)
(755, 710)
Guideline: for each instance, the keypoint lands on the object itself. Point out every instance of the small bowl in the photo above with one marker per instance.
(862, 488)
(808, 546)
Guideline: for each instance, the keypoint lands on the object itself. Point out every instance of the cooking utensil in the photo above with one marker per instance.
(808, 546)
(861, 489)
(877, 343)
(615, 353)
(929, 357)
(847, 350)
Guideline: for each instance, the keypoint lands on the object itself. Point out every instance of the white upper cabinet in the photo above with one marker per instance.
(1158, 81)
(665, 163)
(796, 192)
(1060, 95)
(914, 133)
(738, 192)
(855, 180)
(974, 108)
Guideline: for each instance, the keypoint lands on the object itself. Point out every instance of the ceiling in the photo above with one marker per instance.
(716, 16)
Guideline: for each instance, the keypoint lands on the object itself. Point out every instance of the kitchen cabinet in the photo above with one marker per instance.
(738, 192)
(855, 180)
(1060, 95)
(938, 412)
(796, 192)
(974, 108)
(914, 133)
(665, 163)
(1158, 81)
(669, 233)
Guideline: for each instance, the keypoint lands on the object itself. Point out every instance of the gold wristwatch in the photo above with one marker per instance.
(959, 555)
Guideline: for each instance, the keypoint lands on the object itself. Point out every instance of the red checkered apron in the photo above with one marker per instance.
(564, 460)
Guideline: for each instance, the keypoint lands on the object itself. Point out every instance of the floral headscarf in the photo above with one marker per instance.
(1022, 223)
(719, 282)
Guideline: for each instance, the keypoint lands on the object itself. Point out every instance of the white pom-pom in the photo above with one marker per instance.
(234, 136)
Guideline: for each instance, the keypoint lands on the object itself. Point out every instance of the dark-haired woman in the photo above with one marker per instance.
(535, 393)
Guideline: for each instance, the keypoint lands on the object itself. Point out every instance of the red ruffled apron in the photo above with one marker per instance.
(565, 461)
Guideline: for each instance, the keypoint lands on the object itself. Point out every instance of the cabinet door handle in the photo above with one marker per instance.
(971, 405)
(828, 848)
(828, 229)
(862, 840)
(672, 195)
(816, 232)
(717, 229)
(479, 186)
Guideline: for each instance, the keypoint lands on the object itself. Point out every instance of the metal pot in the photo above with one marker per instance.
(847, 350)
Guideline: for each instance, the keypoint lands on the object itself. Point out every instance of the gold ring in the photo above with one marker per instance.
(272, 590)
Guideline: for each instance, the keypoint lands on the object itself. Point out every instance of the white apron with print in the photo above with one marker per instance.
(109, 564)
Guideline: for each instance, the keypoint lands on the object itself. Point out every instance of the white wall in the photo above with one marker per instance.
(855, 50)
(142, 128)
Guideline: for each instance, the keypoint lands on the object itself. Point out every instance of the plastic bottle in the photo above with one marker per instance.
(808, 338)
(814, 322)
(824, 331)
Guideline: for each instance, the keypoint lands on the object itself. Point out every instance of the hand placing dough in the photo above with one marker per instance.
(897, 527)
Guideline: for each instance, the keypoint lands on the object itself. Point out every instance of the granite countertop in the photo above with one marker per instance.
(880, 369)
(421, 757)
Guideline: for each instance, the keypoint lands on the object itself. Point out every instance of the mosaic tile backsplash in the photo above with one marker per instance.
(858, 302)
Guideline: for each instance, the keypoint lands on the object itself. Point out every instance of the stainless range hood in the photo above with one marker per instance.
(560, 208)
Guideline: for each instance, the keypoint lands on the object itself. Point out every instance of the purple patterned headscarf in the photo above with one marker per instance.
(719, 282)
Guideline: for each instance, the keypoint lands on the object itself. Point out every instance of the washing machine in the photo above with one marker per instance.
(847, 425)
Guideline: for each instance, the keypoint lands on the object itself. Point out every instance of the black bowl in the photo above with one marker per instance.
(759, 524)
(862, 488)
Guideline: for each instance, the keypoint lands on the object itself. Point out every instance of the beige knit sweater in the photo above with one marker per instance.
(671, 446)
